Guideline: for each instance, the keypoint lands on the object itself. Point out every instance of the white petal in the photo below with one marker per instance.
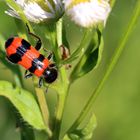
(34, 11)
(59, 6)
(50, 6)
(20, 2)
(12, 13)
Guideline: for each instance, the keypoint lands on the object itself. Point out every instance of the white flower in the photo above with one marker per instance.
(39, 10)
(88, 13)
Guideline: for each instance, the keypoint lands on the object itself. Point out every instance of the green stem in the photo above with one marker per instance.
(53, 40)
(59, 32)
(112, 2)
(43, 105)
(63, 91)
(109, 69)
(63, 88)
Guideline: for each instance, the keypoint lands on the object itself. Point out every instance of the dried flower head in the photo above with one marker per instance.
(88, 13)
(39, 10)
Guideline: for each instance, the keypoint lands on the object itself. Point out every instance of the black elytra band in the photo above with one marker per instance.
(9, 42)
(14, 58)
(20, 51)
(41, 58)
(25, 44)
(36, 63)
(34, 66)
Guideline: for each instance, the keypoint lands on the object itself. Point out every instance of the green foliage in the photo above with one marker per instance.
(25, 102)
(90, 58)
(89, 128)
(85, 133)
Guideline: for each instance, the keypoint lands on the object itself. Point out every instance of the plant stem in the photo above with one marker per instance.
(109, 69)
(112, 2)
(53, 40)
(59, 32)
(63, 88)
(43, 105)
(60, 110)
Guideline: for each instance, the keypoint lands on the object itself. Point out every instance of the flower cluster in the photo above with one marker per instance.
(85, 13)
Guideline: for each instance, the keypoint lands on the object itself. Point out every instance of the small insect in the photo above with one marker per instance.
(19, 51)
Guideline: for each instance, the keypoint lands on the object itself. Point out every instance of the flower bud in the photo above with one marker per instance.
(39, 10)
(88, 13)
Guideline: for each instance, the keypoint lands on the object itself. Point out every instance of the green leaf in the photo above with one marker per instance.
(72, 137)
(66, 137)
(26, 132)
(25, 103)
(85, 133)
(91, 58)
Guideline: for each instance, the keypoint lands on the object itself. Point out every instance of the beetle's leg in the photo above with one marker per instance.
(40, 83)
(26, 72)
(52, 65)
(45, 49)
(26, 76)
(49, 52)
(47, 88)
(9, 60)
(39, 43)
(50, 56)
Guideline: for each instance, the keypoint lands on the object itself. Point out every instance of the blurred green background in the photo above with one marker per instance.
(117, 108)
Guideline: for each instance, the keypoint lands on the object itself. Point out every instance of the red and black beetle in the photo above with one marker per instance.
(19, 51)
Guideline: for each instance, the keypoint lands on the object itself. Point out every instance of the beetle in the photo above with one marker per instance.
(19, 51)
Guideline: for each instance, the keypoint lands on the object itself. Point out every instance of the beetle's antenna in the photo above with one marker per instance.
(47, 88)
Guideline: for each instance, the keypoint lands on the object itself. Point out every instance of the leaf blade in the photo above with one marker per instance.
(24, 102)
(91, 58)
(84, 133)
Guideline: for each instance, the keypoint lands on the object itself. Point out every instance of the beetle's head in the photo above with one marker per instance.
(50, 74)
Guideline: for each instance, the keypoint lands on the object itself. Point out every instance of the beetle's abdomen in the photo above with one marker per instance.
(16, 48)
(20, 51)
